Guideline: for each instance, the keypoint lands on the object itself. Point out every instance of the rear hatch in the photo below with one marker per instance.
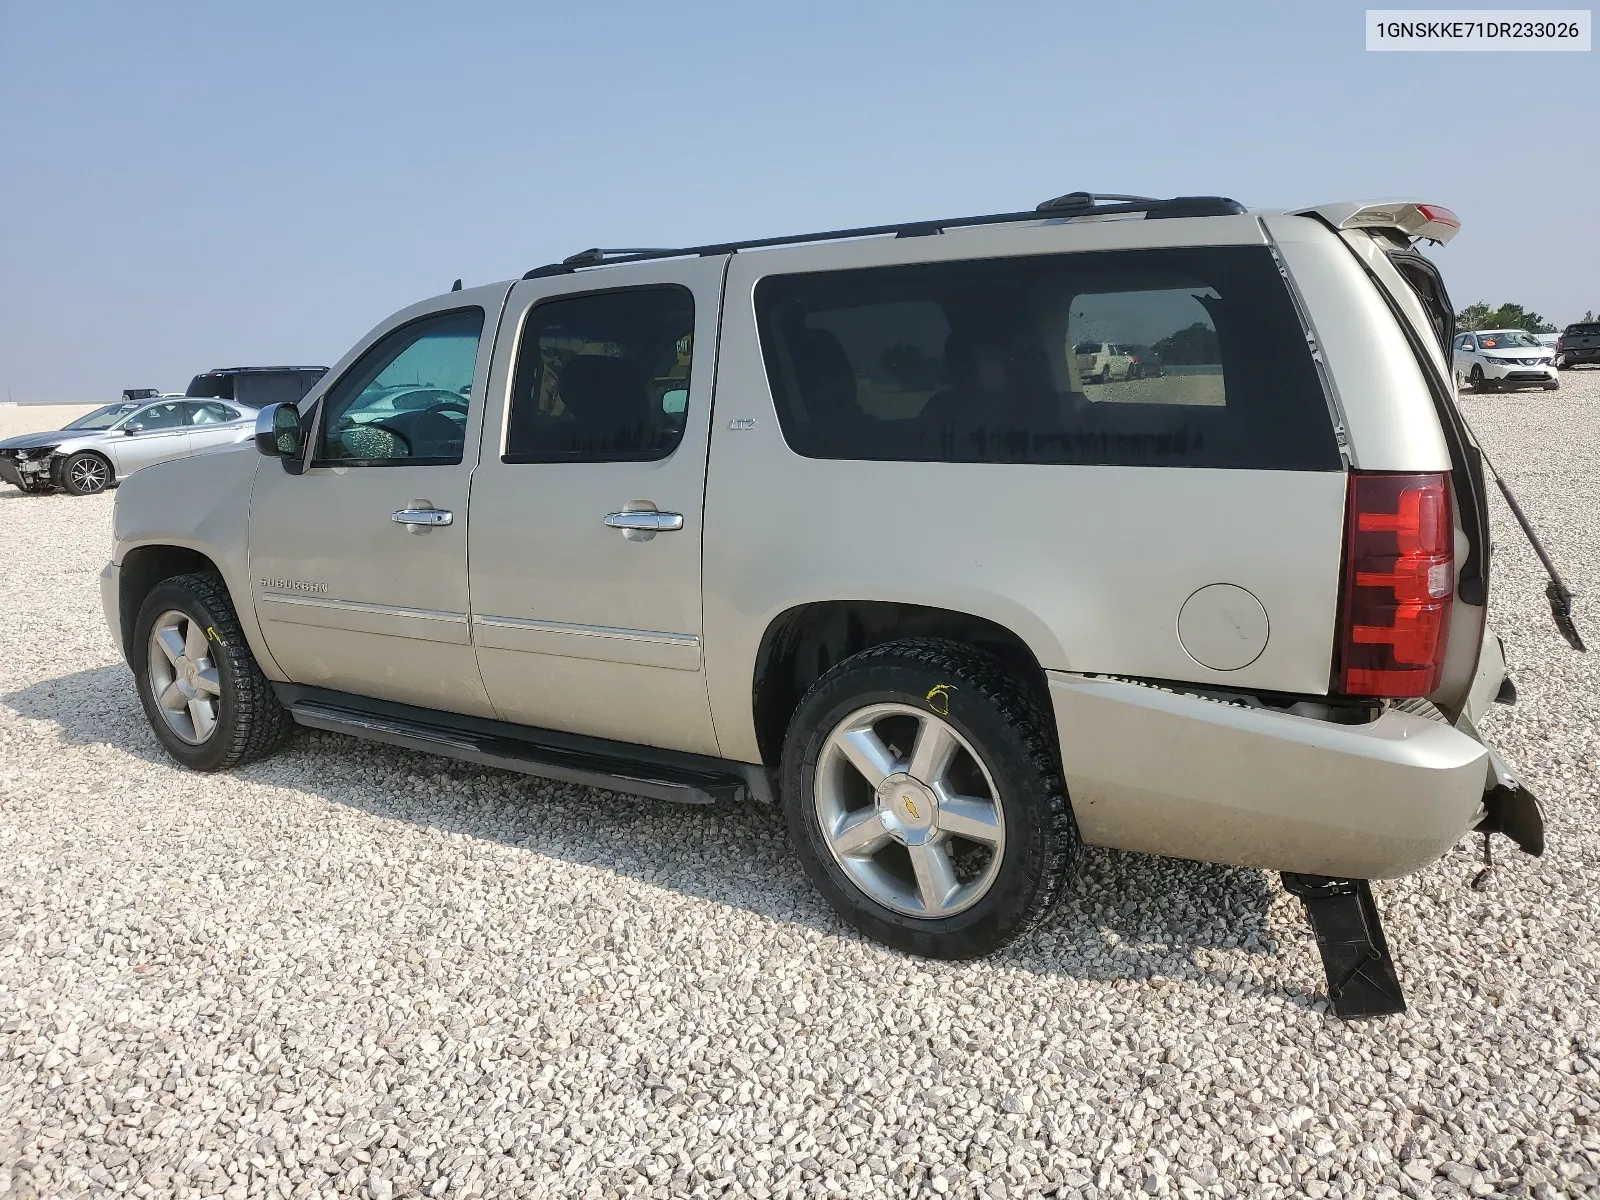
(1581, 337)
(1383, 237)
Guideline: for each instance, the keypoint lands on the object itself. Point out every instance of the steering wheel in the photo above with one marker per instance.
(443, 405)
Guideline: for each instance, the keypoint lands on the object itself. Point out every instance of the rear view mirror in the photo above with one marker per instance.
(279, 431)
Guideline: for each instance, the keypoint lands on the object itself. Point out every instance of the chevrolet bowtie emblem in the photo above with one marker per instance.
(911, 808)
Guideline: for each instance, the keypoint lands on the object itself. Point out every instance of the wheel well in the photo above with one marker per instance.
(803, 643)
(147, 566)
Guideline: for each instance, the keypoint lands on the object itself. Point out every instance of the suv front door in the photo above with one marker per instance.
(586, 618)
(359, 565)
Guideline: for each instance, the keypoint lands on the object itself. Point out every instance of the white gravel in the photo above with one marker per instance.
(355, 971)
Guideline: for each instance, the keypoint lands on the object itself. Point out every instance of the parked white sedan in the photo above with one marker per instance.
(1494, 359)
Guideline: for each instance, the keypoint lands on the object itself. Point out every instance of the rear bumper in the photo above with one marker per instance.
(1170, 773)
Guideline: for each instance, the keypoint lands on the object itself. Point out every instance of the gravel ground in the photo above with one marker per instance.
(355, 971)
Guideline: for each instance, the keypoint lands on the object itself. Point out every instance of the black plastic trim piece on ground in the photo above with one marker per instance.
(1344, 917)
(573, 758)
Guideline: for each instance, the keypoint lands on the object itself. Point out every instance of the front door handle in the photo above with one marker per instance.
(426, 517)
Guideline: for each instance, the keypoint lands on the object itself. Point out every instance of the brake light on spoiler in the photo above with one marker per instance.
(1410, 217)
(1399, 579)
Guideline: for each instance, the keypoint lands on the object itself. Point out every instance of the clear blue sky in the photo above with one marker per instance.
(201, 185)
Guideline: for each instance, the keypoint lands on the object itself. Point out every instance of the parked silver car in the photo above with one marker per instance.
(99, 448)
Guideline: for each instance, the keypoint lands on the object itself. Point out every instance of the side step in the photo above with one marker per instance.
(1355, 956)
(563, 756)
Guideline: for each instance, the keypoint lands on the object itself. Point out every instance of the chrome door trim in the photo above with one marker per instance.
(378, 610)
(655, 636)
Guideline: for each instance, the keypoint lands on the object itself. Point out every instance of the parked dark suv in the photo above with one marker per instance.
(255, 386)
(1578, 343)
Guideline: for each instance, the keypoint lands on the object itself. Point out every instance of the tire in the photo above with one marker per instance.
(246, 719)
(1000, 884)
(86, 473)
(1476, 379)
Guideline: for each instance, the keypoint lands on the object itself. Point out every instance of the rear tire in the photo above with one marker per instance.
(205, 697)
(86, 473)
(981, 870)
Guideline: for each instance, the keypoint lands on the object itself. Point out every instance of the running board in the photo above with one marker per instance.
(1355, 955)
(563, 757)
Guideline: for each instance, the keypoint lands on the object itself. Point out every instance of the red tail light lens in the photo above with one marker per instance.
(1399, 577)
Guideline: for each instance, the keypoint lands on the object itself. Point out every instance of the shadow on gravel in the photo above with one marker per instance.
(1126, 916)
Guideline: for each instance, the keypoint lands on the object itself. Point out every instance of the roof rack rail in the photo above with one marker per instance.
(1073, 204)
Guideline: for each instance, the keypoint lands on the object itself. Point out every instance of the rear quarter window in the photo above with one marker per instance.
(1172, 357)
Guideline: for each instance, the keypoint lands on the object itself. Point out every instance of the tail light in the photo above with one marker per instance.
(1399, 576)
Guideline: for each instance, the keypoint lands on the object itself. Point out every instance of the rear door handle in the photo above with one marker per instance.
(427, 517)
(645, 522)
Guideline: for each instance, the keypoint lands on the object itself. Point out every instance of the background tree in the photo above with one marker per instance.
(1507, 316)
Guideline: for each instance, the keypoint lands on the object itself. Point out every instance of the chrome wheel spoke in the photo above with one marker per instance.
(867, 754)
(936, 875)
(172, 698)
(971, 818)
(171, 642)
(203, 713)
(935, 746)
(206, 680)
(860, 834)
(194, 642)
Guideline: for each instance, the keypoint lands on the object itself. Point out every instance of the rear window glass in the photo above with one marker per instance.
(210, 387)
(1180, 357)
(1583, 330)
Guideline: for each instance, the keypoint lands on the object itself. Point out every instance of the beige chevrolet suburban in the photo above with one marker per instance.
(833, 521)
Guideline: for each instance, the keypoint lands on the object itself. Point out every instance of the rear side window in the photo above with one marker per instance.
(1180, 357)
(603, 377)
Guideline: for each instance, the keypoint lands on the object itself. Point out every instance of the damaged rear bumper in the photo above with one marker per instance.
(1168, 772)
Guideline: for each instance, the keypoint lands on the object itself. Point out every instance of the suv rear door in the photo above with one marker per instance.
(597, 421)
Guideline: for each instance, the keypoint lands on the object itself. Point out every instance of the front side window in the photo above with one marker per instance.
(159, 416)
(1180, 357)
(404, 402)
(602, 377)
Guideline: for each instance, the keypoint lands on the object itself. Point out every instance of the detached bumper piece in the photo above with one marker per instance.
(1355, 956)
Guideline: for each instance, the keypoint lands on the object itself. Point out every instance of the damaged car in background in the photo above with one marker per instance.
(100, 448)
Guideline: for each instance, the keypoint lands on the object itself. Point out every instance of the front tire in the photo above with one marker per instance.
(1476, 379)
(924, 796)
(203, 694)
(85, 474)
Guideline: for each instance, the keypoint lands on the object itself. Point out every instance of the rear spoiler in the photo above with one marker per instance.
(1413, 218)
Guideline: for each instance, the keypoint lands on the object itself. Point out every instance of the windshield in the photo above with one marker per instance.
(101, 418)
(1506, 340)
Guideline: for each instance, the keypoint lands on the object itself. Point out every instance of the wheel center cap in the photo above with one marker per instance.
(910, 807)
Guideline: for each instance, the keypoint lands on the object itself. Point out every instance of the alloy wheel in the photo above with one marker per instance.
(89, 474)
(909, 811)
(183, 677)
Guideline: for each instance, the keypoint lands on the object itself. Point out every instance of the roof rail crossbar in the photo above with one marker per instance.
(1179, 206)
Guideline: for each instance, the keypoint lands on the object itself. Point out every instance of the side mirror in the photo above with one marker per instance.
(134, 427)
(279, 432)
